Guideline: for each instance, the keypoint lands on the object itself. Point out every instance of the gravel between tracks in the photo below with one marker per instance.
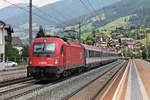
(14, 74)
(63, 89)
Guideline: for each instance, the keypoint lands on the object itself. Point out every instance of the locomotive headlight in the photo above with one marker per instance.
(56, 61)
(30, 62)
(45, 40)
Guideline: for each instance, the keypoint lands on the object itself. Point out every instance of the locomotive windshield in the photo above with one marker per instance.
(44, 49)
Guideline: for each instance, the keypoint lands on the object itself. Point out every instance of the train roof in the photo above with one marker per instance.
(60, 40)
(90, 47)
(94, 48)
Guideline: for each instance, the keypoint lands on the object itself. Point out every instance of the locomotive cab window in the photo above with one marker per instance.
(44, 49)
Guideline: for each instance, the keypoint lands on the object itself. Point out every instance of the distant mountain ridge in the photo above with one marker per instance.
(140, 8)
(64, 10)
(11, 11)
(72, 11)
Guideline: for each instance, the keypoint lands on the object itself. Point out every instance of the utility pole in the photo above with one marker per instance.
(30, 22)
(79, 31)
(146, 39)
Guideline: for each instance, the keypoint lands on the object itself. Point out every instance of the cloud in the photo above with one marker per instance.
(3, 3)
(15, 1)
(44, 2)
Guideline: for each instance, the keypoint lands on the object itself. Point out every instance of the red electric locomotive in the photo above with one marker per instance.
(53, 56)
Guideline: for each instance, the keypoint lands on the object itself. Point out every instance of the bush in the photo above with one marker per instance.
(10, 52)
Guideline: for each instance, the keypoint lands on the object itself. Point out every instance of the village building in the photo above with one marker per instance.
(2, 41)
(17, 43)
(129, 42)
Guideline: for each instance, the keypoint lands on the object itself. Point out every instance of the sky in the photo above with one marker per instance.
(35, 2)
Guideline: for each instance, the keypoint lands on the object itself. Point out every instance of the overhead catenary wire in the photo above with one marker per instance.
(60, 13)
(91, 5)
(64, 17)
(55, 18)
(32, 31)
(89, 10)
(86, 7)
(94, 9)
(82, 23)
(56, 11)
(94, 12)
(41, 17)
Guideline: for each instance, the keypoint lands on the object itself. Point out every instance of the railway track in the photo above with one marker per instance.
(62, 89)
(21, 89)
(107, 75)
(14, 87)
(18, 89)
(25, 88)
(112, 79)
(12, 75)
(15, 81)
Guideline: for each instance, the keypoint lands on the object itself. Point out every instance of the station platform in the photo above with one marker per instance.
(135, 84)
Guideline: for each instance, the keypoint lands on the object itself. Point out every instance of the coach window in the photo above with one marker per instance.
(87, 53)
(91, 53)
(103, 54)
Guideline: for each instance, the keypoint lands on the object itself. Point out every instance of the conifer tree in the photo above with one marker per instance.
(41, 32)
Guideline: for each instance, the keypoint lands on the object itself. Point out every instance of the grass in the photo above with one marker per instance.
(85, 35)
(110, 26)
(116, 23)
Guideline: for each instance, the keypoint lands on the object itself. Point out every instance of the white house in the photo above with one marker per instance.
(2, 43)
(2, 46)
